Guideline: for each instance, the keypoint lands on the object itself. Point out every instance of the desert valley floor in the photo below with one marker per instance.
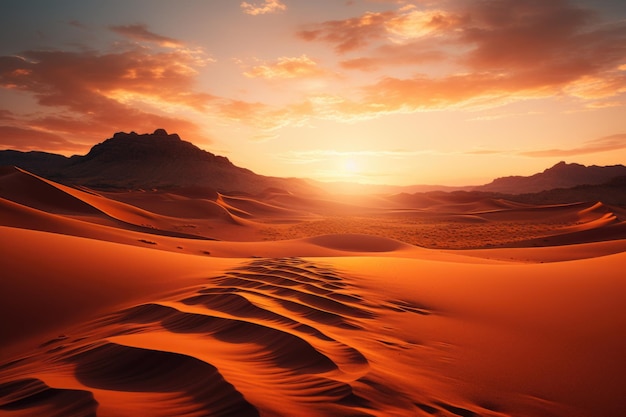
(204, 304)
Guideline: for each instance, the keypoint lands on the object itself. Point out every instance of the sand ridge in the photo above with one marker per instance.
(281, 348)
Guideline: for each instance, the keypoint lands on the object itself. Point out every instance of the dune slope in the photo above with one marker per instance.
(361, 335)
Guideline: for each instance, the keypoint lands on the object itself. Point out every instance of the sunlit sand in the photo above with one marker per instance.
(126, 303)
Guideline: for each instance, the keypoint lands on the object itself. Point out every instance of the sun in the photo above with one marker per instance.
(350, 166)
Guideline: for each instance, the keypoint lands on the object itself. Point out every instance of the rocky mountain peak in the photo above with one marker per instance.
(153, 147)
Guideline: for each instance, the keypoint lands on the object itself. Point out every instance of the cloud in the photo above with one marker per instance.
(428, 55)
(321, 155)
(64, 78)
(140, 32)
(513, 33)
(349, 34)
(287, 67)
(396, 55)
(488, 53)
(88, 94)
(13, 137)
(6, 115)
(411, 23)
(77, 24)
(498, 116)
(397, 27)
(605, 144)
(267, 6)
(484, 152)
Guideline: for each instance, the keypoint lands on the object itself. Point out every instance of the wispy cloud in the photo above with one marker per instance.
(350, 34)
(321, 155)
(140, 32)
(484, 152)
(610, 143)
(77, 24)
(498, 116)
(24, 138)
(395, 55)
(265, 7)
(605, 144)
(287, 67)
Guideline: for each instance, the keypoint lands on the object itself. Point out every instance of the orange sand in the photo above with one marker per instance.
(112, 308)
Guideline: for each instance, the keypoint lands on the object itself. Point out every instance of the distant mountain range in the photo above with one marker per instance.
(561, 175)
(163, 161)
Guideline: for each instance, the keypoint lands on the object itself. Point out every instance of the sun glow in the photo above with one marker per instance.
(350, 166)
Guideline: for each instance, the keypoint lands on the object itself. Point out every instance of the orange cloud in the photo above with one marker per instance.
(396, 27)
(491, 52)
(319, 155)
(287, 67)
(610, 143)
(60, 77)
(487, 53)
(87, 86)
(6, 115)
(350, 34)
(510, 33)
(266, 117)
(605, 144)
(140, 32)
(22, 138)
(410, 23)
(268, 6)
(395, 55)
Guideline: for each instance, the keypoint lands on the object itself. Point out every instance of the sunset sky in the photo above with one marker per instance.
(451, 92)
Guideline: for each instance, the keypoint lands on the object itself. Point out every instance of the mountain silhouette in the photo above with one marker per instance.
(164, 161)
(561, 175)
(150, 161)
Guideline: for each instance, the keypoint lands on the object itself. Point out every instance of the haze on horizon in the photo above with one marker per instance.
(391, 92)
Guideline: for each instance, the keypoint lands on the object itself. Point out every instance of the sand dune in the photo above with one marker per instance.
(358, 243)
(33, 191)
(332, 336)
(449, 225)
(123, 304)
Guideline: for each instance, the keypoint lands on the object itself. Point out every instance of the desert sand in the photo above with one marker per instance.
(170, 304)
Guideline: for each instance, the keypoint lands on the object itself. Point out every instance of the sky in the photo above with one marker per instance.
(451, 92)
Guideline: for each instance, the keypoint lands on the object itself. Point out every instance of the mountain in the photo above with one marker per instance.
(41, 163)
(147, 161)
(610, 192)
(164, 161)
(561, 175)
